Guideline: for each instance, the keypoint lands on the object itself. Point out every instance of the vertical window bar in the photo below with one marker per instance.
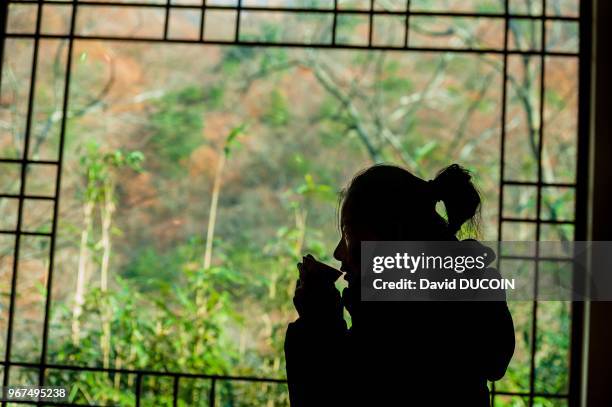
(407, 24)
(502, 145)
(62, 136)
(22, 189)
(582, 178)
(202, 16)
(371, 25)
(3, 19)
(212, 392)
(335, 22)
(239, 9)
(534, 318)
(138, 388)
(175, 388)
(167, 19)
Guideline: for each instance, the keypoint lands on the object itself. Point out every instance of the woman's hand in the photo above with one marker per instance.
(316, 297)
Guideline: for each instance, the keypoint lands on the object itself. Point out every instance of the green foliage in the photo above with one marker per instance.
(555, 99)
(98, 167)
(394, 83)
(214, 97)
(312, 189)
(234, 57)
(277, 113)
(148, 267)
(232, 142)
(177, 124)
(180, 330)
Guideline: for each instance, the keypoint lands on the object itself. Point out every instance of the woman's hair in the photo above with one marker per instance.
(394, 204)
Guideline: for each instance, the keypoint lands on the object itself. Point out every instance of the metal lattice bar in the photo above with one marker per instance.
(139, 373)
(502, 144)
(37, 197)
(21, 199)
(49, 288)
(25, 233)
(27, 161)
(138, 389)
(212, 393)
(582, 193)
(539, 221)
(407, 24)
(302, 10)
(145, 372)
(534, 311)
(202, 20)
(540, 184)
(175, 390)
(373, 47)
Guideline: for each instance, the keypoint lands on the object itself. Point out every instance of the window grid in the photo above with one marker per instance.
(334, 11)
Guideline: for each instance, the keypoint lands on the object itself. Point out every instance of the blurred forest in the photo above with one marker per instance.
(196, 176)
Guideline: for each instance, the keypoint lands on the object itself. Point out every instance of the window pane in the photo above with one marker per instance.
(560, 120)
(184, 24)
(520, 202)
(569, 8)
(553, 347)
(56, 19)
(562, 36)
(456, 32)
(533, 8)
(120, 21)
(33, 268)
(558, 204)
(10, 178)
(40, 179)
(480, 6)
(7, 250)
(16, 73)
(219, 25)
(525, 34)
(9, 208)
(21, 18)
(517, 374)
(49, 100)
(522, 118)
(273, 27)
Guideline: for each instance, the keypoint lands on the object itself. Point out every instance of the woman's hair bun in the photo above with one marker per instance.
(453, 186)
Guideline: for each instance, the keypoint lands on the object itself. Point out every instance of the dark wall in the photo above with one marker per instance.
(599, 314)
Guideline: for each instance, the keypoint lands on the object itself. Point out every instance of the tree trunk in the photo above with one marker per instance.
(212, 219)
(107, 217)
(81, 272)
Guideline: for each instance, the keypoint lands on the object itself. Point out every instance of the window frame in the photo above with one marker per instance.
(582, 171)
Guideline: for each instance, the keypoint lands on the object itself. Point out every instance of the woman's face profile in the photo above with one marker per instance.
(348, 252)
(342, 253)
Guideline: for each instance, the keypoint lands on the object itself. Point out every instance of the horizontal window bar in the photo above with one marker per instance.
(54, 403)
(39, 197)
(143, 372)
(328, 10)
(547, 222)
(535, 258)
(15, 232)
(540, 184)
(526, 394)
(27, 161)
(294, 45)
(218, 377)
(205, 376)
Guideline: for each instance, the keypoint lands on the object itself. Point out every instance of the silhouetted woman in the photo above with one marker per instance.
(395, 353)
